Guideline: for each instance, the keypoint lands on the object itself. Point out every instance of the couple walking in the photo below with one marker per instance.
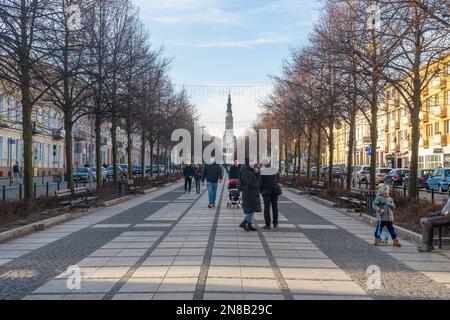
(253, 183)
(213, 175)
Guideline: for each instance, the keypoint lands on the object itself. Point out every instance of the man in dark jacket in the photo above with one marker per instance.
(213, 175)
(188, 173)
(249, 178)
(270, 190)
(234, 170)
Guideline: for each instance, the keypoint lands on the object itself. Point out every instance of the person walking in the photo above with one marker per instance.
(188, 173)
(234, 170)
(270, 190)
(16, 172)
(197, 177)
(249, 180)
(213, 175)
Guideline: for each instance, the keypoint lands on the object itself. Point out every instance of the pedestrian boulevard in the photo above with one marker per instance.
(168, 245)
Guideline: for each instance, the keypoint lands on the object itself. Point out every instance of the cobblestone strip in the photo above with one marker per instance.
(201, 284)
(276, 269)
(116, 288)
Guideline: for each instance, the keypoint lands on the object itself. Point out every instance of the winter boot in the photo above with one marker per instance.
(376, 241)
(396, 243)
(244, 225)
(251, 227)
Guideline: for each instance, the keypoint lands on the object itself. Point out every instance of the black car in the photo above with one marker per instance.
(422, 177)
(396, 176)
(137, 170)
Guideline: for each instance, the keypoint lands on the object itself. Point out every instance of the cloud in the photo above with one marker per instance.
(262, 39)
(209, 17)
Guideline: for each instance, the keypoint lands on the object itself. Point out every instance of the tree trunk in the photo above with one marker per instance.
(68, 126)
(98, 149)
(331, 154)
(129, 150)
(28, 171)
(158, 159)
(351, 148)
(295, 158)
(152, 147)
(143, 142)
(318, 153)
(114, 149)
(308, 165)
(286, 162)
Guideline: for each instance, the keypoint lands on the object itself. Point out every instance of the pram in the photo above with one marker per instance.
(234, 195)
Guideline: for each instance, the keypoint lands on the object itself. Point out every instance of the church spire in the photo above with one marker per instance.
(229, 105)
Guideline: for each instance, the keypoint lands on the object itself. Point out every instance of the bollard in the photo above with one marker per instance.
(57, 186)
(10, 180)
(4, 192)
(20, 192)
(432, 195)
(43, 177)
(35, 191)
(359, 181)
(404, 190)
(47, 189)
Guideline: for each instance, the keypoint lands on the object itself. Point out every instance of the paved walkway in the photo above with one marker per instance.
(168, 245)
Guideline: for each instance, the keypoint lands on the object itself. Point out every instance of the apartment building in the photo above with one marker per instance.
(48, 135)
(394, 128)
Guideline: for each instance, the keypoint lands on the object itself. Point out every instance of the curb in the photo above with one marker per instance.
(39, 226)
(48, 223)
(324, 202)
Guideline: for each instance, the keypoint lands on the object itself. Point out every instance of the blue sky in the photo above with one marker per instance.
(227, 42)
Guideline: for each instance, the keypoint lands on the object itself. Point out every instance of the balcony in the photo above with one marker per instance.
(79, 134)
(57, 134)
(406, 145)
(438, 139)
(425, 116)
(425, 143)
(394, 147)
(367, 140)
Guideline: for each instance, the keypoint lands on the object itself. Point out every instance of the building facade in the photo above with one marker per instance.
(394, 128)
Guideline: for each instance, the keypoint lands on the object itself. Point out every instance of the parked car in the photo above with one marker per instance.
(82, 174)
(124, 168)
(155, 169)
(396, 176)
(94, 173)
(380, 175)
(422, 176)
(439, 180)
(110, 171)
(137, 169)
(337, 172)
(361, 174)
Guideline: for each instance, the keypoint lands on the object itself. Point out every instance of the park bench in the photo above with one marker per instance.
(133, 187)
(80, 198)
(293, 183)
(315, 187)
(155, 182)
(440, 234)
(352, 200)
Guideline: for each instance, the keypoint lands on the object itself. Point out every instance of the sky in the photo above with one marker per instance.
(227, 42)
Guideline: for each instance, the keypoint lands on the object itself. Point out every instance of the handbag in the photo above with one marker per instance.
(278, 190)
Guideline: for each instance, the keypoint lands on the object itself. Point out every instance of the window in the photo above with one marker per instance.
(447, 126)
(1, 106)
(437, 128)
(10, 108)
(18, 111)
(429, 130)
(1, 151)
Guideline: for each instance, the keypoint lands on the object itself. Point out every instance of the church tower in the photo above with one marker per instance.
(229, 139)
(229, 118)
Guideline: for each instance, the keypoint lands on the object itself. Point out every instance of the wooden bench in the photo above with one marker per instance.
(352, 200)
(315, 187)
(80, 198)
(155, 182)
(133, 187)
(440, 234)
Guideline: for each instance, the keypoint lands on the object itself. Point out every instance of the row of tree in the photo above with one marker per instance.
(356, 50)
(89, 59)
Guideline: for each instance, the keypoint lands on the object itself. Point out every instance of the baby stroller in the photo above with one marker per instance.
(234, 195)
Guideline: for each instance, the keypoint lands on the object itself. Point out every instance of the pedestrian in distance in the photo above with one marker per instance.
(384, 207)
(270, 190)
(198, 173)
(234, 170)
(16, 172)
(249, 180)
(188, 173)
(213, 175)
